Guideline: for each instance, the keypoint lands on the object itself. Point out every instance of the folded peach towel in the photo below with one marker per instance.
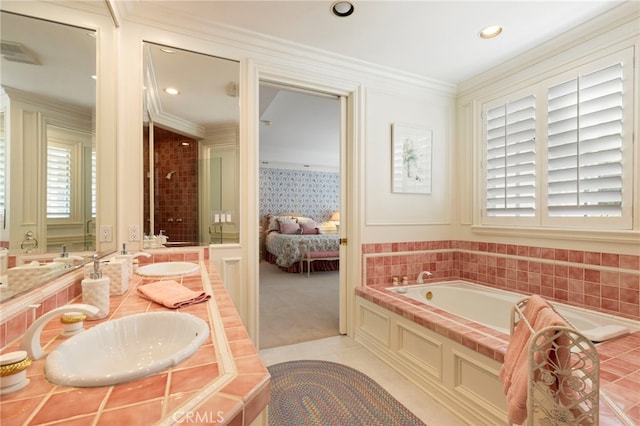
(171, 294)
(517, 392)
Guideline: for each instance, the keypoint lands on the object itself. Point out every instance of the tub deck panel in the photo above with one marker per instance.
(376, 324)
(477, 381)
(472, 354)
(421, 350)
(427, 358)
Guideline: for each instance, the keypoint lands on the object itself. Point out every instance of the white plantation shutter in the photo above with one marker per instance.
(58, 182)
(510, 162)
(585, 140)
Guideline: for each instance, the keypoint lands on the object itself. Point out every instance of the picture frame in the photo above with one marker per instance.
(411, 159)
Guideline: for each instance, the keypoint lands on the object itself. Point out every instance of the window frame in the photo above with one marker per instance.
(74, 141)
(541, 218)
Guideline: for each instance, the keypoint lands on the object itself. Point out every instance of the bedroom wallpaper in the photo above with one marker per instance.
(313, 194)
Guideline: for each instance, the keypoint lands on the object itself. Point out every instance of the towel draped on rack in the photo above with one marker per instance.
(536, 316)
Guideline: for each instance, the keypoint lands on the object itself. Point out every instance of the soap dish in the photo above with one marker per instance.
(13, 371)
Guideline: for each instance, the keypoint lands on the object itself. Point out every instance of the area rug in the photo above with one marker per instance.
(326, 393)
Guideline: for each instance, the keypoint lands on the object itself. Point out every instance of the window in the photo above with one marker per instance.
(511, 168)
(554, 153)
(58, 182)
(584, 171)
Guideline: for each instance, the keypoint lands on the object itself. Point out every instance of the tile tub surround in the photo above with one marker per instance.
(619, 358)
(223, 382)
(604, 282)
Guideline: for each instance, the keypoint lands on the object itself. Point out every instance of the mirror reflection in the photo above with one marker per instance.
(190, 148)
(47, 145)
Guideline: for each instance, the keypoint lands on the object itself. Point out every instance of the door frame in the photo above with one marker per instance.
(352, 99)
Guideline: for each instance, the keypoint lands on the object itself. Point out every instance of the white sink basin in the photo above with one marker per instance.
(166, 269)
(125, 349)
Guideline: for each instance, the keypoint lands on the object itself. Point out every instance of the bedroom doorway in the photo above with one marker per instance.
(300, 139)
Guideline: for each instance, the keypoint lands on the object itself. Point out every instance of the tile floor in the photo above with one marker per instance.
(344, 350)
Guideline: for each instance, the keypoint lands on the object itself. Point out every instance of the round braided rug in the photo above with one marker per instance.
(325, 393)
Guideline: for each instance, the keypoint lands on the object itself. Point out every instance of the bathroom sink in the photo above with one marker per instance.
(166, 269)
(125, 349)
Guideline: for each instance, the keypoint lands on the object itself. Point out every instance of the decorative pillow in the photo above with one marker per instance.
(289, 228)
(309, 227)
(274, 222)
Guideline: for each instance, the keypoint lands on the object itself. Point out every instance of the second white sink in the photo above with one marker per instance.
(126, 349)
(167, 269)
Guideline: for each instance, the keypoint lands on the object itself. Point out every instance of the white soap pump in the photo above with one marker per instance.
(95, 290)
(127, 259)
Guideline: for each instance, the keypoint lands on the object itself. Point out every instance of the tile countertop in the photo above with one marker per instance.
(619, 358)
(223, 382)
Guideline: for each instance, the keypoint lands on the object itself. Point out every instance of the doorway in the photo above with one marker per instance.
(301, 133)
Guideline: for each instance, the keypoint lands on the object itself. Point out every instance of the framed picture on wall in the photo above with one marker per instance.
(411, 159)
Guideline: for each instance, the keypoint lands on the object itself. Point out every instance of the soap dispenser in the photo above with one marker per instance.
(95, 290)
(127, 259)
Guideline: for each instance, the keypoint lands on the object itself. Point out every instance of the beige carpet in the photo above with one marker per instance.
(294, 308)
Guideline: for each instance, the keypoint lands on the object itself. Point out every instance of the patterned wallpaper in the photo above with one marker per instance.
(313, 194)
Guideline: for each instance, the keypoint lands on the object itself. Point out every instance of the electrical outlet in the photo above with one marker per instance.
(134, 233)
(106, 233)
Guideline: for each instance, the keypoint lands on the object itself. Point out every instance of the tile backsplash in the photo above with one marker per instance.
(605, 282)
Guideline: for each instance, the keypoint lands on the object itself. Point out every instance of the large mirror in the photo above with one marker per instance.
(47, 140)
(190, 148)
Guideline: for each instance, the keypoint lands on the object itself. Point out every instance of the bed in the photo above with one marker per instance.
(288, 236)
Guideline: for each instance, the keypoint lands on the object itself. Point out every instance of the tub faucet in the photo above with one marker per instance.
(420, 279)
(31, 340)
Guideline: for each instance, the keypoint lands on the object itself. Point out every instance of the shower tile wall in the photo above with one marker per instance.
(176, 208)
(605, 282)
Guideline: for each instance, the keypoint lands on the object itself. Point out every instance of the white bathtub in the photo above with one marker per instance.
(492, 307)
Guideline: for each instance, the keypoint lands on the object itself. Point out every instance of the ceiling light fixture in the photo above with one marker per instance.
(491, 31)
(342, 8)
(171, 91)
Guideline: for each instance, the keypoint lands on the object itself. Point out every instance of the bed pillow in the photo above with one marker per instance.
(274, 222)
(289, 227)
(309, 227)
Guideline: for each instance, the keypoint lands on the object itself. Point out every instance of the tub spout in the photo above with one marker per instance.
(31, 340)
(420, 279)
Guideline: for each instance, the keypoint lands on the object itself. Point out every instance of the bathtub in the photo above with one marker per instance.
(492, 307)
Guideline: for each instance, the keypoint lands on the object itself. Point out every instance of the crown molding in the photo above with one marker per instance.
(180, 21)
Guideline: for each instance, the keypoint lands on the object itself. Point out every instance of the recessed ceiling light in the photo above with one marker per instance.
(95, 77)
(342, 8)
(166, 50)
(171, 91)
(491, 31)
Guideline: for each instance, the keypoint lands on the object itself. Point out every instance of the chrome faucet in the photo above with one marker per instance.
(31, 339)
(420, 279)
